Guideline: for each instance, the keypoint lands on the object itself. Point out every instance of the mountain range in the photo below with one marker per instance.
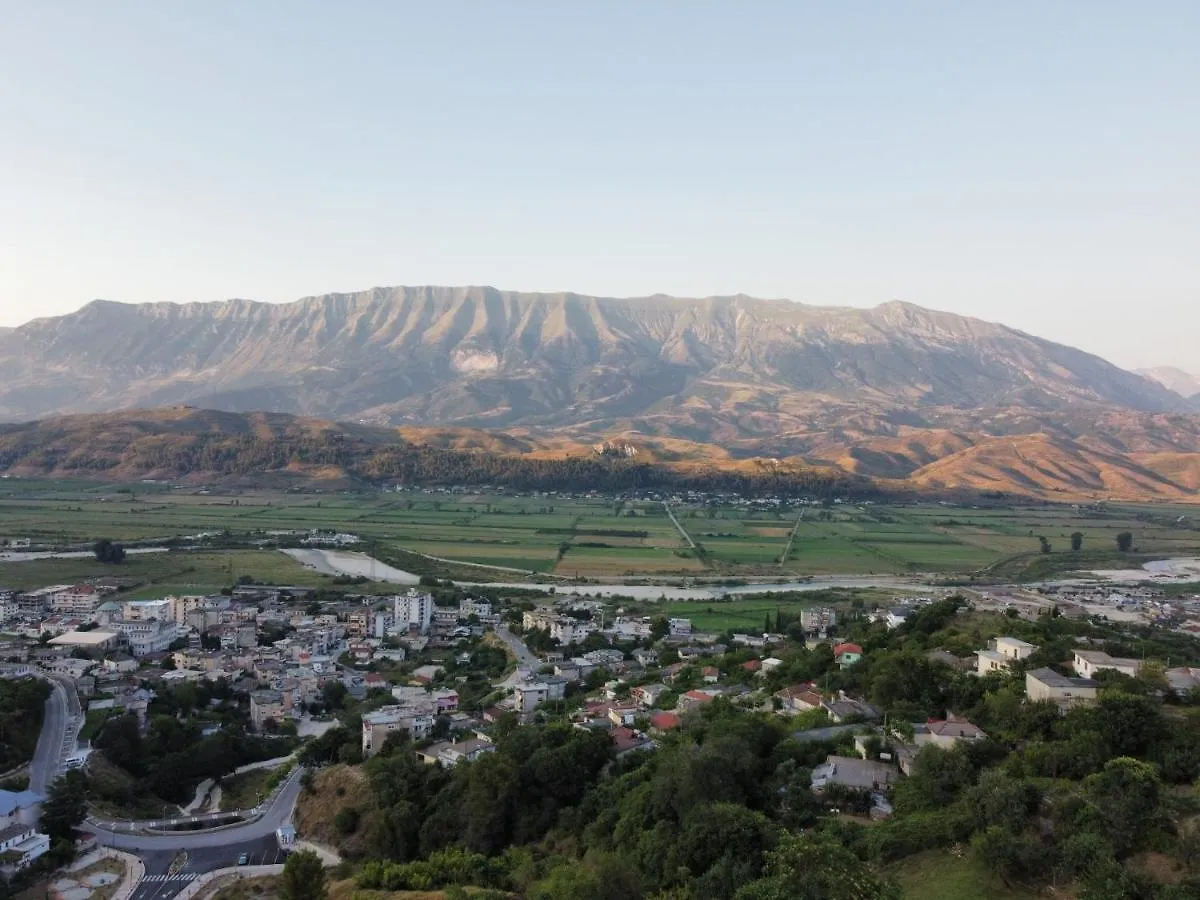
(896, 393)
(1183, 383)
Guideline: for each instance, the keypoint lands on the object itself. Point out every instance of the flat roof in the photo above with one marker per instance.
(83, 638)
(1050, 678)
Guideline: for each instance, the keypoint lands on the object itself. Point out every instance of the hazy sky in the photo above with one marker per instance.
(1034, 163)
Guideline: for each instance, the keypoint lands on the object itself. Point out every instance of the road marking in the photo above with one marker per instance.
(188, 876)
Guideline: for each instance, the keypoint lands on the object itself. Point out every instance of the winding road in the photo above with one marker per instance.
(277, 814)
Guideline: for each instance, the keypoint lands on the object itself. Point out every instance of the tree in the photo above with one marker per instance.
(1125, 541)
(66, 806)
(1125, 801)
(303, 877)
(108, 552)
(1045, 544)
(1076, 541)
(808, 867)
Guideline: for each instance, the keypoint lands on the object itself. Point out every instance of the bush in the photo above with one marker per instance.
(346, 821)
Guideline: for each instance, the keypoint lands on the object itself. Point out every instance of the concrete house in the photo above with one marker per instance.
(1088, 662)
(1046, 684)
(851, 771)
(846, 655)
(1001, 653)
(946, 732)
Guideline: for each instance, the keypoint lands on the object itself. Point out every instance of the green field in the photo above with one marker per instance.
(572, 537)
(939, 875)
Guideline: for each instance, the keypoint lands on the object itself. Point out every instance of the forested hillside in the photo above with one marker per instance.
(723, 808)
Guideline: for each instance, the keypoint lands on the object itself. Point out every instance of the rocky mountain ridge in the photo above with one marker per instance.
(481, 357)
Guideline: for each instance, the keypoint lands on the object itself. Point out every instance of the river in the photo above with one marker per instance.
(338, 562)
(341, 562)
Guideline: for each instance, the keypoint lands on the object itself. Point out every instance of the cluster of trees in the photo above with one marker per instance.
(106, 551)
(22, 708)
(173, 755)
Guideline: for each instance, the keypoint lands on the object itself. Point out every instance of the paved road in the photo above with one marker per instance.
(47, 758)
(161, 883)
(526, 661)
(279, 814)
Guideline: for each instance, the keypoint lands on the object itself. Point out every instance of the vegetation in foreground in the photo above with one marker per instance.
(22, 709)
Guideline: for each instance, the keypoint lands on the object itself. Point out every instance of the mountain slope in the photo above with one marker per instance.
(1177, 380)
(723, 368)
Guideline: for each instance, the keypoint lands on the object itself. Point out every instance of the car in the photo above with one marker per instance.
(243, 859)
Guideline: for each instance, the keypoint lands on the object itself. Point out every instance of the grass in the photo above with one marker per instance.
(939, 875)
(244, 791)
(94, 719)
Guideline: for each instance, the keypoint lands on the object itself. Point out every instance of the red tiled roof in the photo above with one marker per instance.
(847, 648)
(699, 696)
(665, 721)
(753, 665)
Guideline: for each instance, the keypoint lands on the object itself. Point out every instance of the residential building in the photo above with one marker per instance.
(1088, 662)
(679, 627)
(818, 621)
(119, 662)
(266, 704)
(1066, 691)
(20, 845)
(19, 807)
(144, 610)
(80, 600)
(665, 721)
(449, 754)
(851, 771)
(184, 604)
(1001, 653)
(413, 610)
(799, 698)
(38, 601)
(415, 718)
(693, 700)
(145, 638)
(468, 607)
(647, 694)
(898, 616)
(844, 708)
(946, 732)
(528, 695)
(846, 655)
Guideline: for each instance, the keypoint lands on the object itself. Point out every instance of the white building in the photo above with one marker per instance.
(1088, 662)
(144, 610)
(145, 638)
(414, 608)
(21, 844)
(1001, 653)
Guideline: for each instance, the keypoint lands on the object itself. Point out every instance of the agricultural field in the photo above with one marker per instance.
(590, 538)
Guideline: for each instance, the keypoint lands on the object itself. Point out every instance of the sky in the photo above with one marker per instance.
(1025, 162)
